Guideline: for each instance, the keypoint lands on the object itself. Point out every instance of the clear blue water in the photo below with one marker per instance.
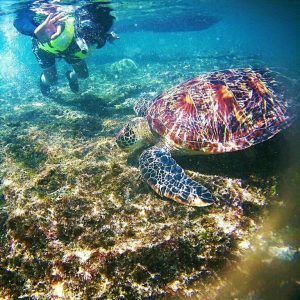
(242, 34)
(267, 29)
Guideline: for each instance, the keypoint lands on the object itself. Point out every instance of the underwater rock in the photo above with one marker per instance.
(128, 103)
(90, 227)
(27, 152)
(123, 66)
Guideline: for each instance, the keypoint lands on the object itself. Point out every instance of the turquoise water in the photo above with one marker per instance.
(268, 30)
(238, 34)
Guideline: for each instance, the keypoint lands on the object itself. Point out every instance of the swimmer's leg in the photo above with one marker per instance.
(48, 78)
(80, 70)
(47, 63)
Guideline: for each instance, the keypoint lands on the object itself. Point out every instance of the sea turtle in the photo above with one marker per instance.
(218, 112)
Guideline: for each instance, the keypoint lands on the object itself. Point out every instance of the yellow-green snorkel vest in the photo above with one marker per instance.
(61, 43)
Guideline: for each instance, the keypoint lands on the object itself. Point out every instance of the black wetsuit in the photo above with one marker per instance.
(26, 23)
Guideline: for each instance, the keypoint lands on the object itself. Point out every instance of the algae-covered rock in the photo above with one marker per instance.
(91, 227)
(123, 66)
(29, 153)
(78, 222)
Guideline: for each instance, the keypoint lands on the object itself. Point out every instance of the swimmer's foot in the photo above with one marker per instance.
(44, 87)
(73, 81)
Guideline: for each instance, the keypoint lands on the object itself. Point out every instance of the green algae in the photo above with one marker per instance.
(97, 234)
(52, 180)
(100, 230)
(29, 154)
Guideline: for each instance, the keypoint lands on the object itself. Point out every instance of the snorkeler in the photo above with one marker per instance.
(69, 36)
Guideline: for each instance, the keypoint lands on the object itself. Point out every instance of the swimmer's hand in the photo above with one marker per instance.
(50, 28)
(111, 37)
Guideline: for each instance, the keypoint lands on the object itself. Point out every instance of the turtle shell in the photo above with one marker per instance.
(221, 111)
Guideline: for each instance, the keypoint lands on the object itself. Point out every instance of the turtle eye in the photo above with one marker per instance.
(126, 137)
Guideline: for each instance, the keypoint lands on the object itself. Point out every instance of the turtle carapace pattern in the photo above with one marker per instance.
(217, 112)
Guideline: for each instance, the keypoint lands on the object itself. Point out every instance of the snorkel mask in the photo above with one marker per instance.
(91, 25)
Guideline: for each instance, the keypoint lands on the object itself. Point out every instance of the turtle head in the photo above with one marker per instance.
(134, 134)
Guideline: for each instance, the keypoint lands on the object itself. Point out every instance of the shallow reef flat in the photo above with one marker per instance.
(85, 225)
(78, 222)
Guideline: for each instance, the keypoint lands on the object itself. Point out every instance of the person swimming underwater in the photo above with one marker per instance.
(71, 36)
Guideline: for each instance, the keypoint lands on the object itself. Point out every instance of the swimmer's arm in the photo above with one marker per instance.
(24, 22)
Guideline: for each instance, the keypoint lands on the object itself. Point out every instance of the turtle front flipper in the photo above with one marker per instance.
(168, 179)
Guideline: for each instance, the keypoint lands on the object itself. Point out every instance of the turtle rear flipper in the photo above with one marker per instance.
(168, 179)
